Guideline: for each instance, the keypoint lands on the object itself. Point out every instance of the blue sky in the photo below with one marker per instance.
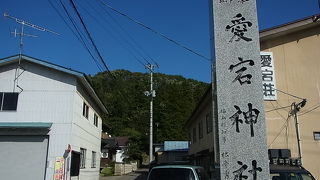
(124, 44)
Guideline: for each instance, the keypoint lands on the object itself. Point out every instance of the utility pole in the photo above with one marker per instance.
(151, 94)
(295, 108)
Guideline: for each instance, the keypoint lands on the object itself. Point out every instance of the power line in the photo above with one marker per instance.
(278, 108)
(278, 112)
(289, 94)
(131, 38)
(75, 31)
(128, 48)
(154, 31)
(316, 107)
(283, 126)
(90, 38)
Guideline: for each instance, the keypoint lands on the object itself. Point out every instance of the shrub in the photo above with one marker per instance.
(107, 171)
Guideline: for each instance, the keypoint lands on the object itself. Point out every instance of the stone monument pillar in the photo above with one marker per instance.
(237, 87)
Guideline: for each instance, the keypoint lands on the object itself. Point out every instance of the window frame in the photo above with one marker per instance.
(85, 110)
(93, 159)
(83, 154)
(316, 135)
(95, 119)
(11, 104)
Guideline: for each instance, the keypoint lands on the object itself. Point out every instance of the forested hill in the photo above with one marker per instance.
(129, 108)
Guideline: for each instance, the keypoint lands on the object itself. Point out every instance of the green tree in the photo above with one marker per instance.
(176, 97)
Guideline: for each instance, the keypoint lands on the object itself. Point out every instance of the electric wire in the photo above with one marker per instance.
(289, 94)
(110, 32)
(81, 38)
(308, 111)
(130, 37)
(155, 32)
(278, 108)
(278, 111)
(77, 33)
(283, 126)
(124, 46)
(90, 38)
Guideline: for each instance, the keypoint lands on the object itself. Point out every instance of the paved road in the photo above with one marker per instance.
(140, 174)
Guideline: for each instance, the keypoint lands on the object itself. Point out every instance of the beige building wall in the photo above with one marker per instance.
(206, 142)
(297, 69)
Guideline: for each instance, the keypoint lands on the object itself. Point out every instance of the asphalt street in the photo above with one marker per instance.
(140, 174)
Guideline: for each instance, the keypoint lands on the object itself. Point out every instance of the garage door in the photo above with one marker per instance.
(23, 157)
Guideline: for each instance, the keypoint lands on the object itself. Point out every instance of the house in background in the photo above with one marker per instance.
(114, 148)
(122, 143)
(50, 122)
(202, 132)
(172, 152)
(290, 73)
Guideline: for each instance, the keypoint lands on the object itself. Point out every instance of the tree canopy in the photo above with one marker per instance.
(129, 108)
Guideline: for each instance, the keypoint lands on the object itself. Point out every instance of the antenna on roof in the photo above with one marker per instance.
(22, 34)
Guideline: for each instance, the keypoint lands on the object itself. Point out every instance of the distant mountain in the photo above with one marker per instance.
(129, 108)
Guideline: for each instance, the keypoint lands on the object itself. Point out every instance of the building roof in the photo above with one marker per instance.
(122, 141)
(115, 142)
(79, 75)
(176, 145)
(109, 143)
(290, 27)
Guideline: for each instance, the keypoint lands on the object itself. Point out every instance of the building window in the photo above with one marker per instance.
(200, 124)
(83, 153)
(8, 101)
(95, 120)
(194, 135)
(316, 136)
(93, 161)
(85, 110)
(189, 138)
(209, 123)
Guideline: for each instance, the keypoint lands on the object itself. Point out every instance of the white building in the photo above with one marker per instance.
(50, 122)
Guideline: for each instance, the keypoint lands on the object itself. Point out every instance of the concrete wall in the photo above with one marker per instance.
(297, 68)
(125, 168)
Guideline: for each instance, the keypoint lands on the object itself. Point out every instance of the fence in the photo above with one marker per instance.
(125, 168)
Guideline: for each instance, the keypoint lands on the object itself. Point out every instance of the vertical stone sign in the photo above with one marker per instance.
(237, 85)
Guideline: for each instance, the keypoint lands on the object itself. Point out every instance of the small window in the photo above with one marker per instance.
(93, 161)
(85, 110)
(8, 101)
(83, 153)
(95, 120)
(316, 136)
(200, 124)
